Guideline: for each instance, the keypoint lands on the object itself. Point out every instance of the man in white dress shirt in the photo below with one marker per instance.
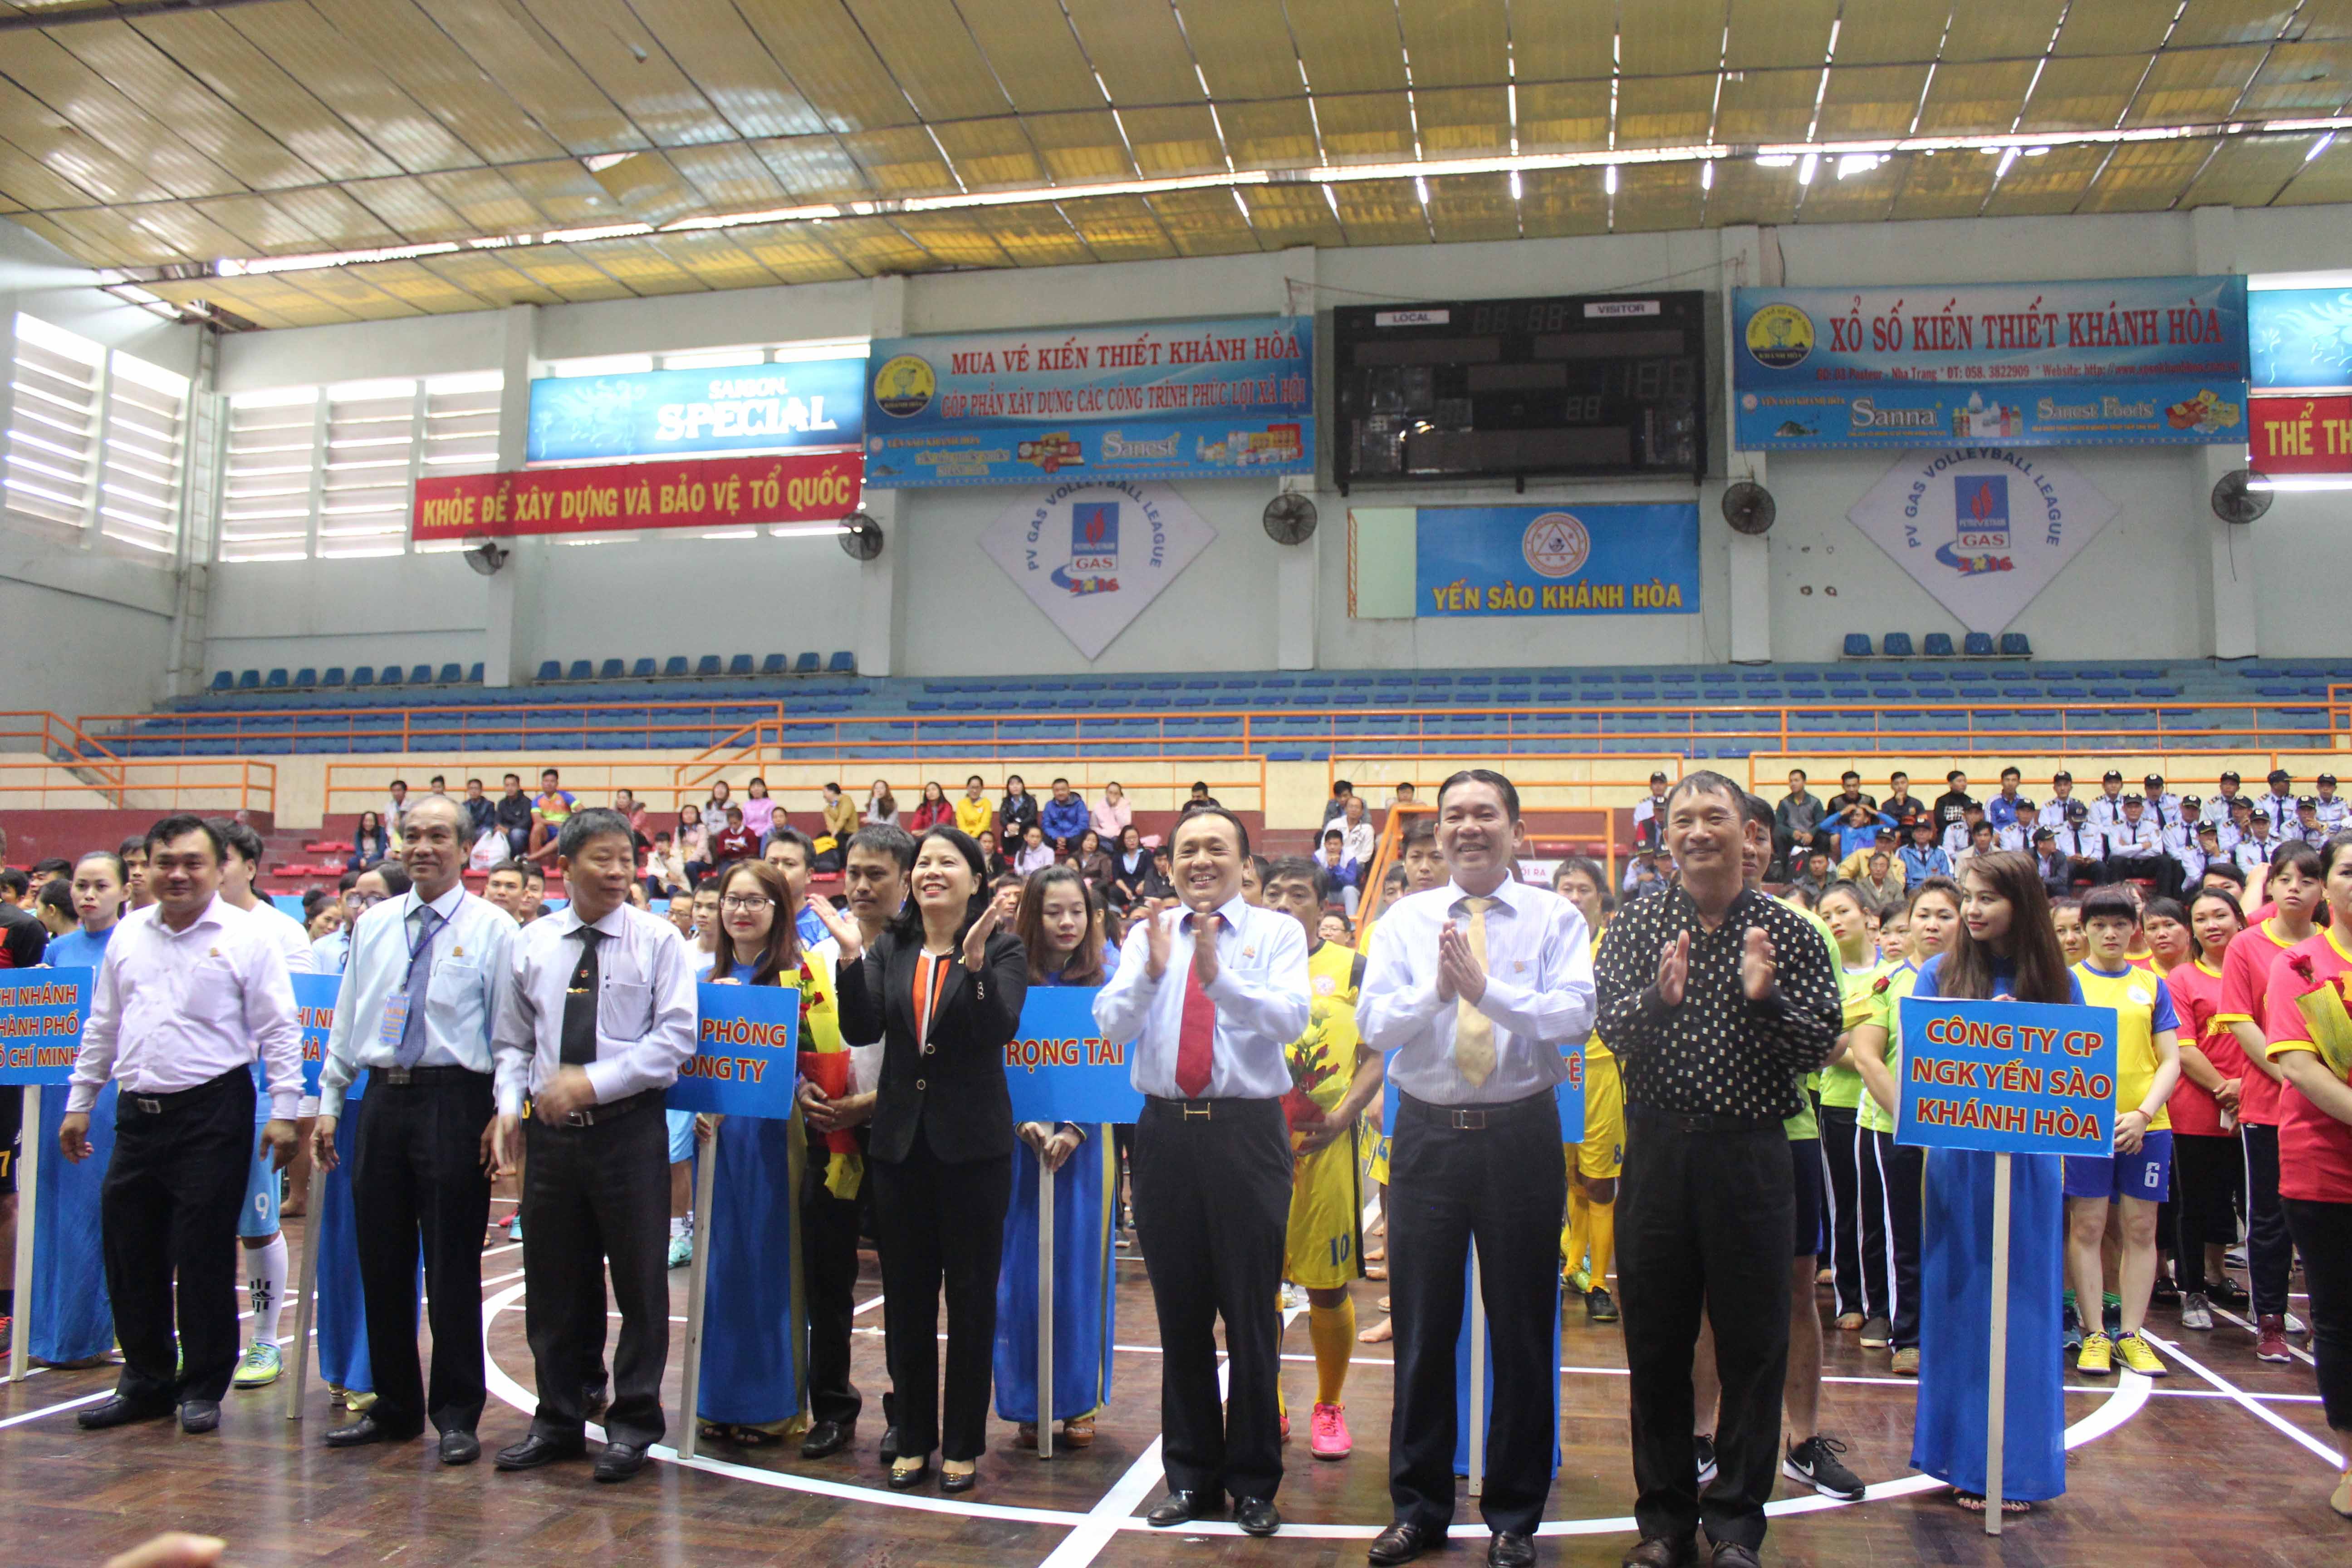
(597, 1015)
(419, 995)
(191, 992)
(1478, 986)
(1213, 994)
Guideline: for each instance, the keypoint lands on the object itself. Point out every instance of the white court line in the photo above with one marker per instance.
(2270, 1418)
(2301, 1355)
(865, 1306)
(54, 1409)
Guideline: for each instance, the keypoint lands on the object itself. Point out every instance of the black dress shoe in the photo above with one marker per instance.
(889, 1444)
(825, 1439)
(900, 1480)
(619, 1461)
(119, 1411)
(199, 1414)
(1183, 1507)
(460, 1448)
(1731, 1554)
(1509, 1551)
(1400, 1542)
(1255, 1515)
(950, 1481)
(363, 1431)
(1659, 1552)
(535, 1450)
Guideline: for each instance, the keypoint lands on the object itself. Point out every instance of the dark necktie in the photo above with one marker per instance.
(579, 1004)
(420, 976)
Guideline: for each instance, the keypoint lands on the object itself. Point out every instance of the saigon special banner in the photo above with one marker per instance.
(746, 1060)
(729, 408)
(1060, 1068)
(2099, 362)
(2300, 436)
(42, 1012)
(1181, 400)
(2010, 1077)
(1604, 559)
(717, 492)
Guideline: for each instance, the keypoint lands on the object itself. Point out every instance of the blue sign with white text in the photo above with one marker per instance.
(2302, 338)
(1169, 401)
(2008, 1077)
(1060, 1068)
(2089, 361)
(42, 1012)
(799, 406)
(314, 1005)
(746, 1060)
(1606, 560)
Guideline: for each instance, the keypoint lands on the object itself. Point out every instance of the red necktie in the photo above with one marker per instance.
(1196, 1037)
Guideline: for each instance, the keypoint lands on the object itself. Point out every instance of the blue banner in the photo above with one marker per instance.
(1613, 560)
(746, 1058)
(1060, 1068)
(42, 1012)
(314, 1005)
(730, 408)
(2098, 362)
(2010, 1077)
(2302, 338)
(1184, 400)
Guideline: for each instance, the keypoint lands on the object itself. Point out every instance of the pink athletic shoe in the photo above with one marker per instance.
(1328, 1433)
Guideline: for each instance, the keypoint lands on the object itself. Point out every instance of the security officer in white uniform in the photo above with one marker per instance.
(2052, 814)
(2307, 825)
(2280, 802)
(2017, 832)
(2334, 811)
(2107, 805)
(2084, 844)
(2180, 837)
(2135, 847)
(2162, 804)
(2258, 844)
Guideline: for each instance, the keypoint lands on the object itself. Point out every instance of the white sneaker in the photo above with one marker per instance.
(681, 1250)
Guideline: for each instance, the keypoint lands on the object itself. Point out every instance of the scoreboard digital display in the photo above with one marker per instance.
(1586, 384)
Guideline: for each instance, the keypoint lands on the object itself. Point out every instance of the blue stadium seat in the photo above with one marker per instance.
(741, 664)
(775, 663)
(808, 664)
(334, 676)
(642, 670)
(474, 674)
(248, 680)
(551, 669)
(392, 676)
(275, 681)
(1857, 645)
(451, 675)
(610, 669)
(364, 676)
(1897, 645)
(224, 681)
(306, 677)
(581, 671)
(2014, 645)
(842, 663)
(422, 675)
(1936, 645)
(1977, 645)
(674, 667)
(707, 666)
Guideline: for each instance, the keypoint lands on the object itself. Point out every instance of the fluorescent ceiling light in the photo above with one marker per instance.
(1609, 179)
(1805, 169)
(1776, 161)
(807, 530)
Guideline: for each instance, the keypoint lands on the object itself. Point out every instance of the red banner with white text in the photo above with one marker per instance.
(2299, 434)
(719, 492)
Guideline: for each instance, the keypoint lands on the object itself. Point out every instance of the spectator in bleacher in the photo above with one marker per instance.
(2052, 814)
(664, 870)
(1112, 814)
(1859, 829)
(1900, 805)
(549, 809)
(2258, 844)
(481, 811)
(881, 807)
(692, 844)
(2307, 825)
(1355, 827)
(2226, 789)
(991, 855)
(1063, 818)
(840, 816)
(2107, 805)
(53, 906)
(758, 809)
(1980, 843)
(2200, 847)
(2082, 843)
(2057, 876)
(1129, 868)
(714, 810)
(732, 842)
(2238, 824)
(1955, 800)
(1035, 853)
(1093, 862)
(632, 810)
(1202, 797)
(2280, 801)
(1403, 794)
(133, 856)
(2016, 834)
(1647, 820)
(1342, 792)
(1643, 876)
(1159, 882)
(934, 810)
(511, 813)
(2334, 810)
(1811, 874)
(1883, 841)
(2003, 809)
(973, 813)
(1793, 822)
(1342, 872)
(2162, 804)
(370, 842)
(1848, 792)
(397, 808)
(1923, 857)
(1017, 812)
(2135, 847)
(1881, 877)
(1957, 835)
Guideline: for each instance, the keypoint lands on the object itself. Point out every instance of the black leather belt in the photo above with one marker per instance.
(159, 1104)
(1700, 1121)
(598, 1115)
(1199, 1109)
(419, 1078)
(1477, 1118)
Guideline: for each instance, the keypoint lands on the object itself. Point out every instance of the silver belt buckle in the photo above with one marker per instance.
(580, 1119)
(147, 1105)
(396, 1075)
(1468, 1120)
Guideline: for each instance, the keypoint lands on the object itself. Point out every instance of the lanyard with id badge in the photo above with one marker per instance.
(393, 1026)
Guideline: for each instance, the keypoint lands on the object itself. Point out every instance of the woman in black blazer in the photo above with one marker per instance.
(942, 990)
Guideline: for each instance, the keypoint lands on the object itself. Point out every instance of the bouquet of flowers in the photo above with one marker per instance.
(2325, 1014)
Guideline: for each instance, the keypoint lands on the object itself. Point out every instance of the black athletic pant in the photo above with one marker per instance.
(593, 1196)
(1857, 1225)
(1211, 1182)
(418, 1178)
(2270, 1251)
(829, 1274)
(1449, 1186)
(1902, 1173)
(2204, 1179)
(1706, 1223)
(942, 1230)
(173, 1190)
(2323, 1233)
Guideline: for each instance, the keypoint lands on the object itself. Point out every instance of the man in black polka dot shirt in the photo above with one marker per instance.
(1722, 999)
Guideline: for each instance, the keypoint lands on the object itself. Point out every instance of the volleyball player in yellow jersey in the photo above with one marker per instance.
(1333, 1077)
(1424, 869)
(1588, 1244)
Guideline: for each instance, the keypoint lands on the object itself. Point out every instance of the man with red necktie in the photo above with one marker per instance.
(1211, 993)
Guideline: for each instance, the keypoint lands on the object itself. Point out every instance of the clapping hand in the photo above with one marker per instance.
(975, 941)
(1673, 969)
(1459, 973)
(1756, 973)
(844, 932)
(1205, 929)
(1156, 942)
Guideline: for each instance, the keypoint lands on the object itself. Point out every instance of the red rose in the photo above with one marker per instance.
(2301, 964)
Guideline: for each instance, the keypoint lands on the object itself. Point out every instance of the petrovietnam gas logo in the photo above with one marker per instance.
(1556, 545)
(1780, 337)
(903, 387)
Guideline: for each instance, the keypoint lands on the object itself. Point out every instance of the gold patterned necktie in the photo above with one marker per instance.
(1474, 1032)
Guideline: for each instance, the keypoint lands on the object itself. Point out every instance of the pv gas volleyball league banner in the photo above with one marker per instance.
(1982, 529)
(722, 492)
(2096, 362)
(1613, 560)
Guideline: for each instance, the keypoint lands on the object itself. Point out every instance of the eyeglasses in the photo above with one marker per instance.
(744, 903)
(359, 901)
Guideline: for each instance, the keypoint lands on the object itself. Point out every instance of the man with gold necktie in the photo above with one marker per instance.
(1478, 987)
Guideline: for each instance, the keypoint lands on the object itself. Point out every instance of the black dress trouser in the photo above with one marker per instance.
(1857, 1228)
(2270, 1251)
(2206, 1167)
(593, 1196)
(174, 1188)
(942, 1231)
(2323, 1233)
(1901, 1174)
(1706, 1222)
(1504, 1186)
(1211, 1180)
(416, 1176)
(829, 1228)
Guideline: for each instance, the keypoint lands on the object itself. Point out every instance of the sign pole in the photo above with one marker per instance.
(28, 1186)
(1477, 1380)
(1044, 1311)
(306, 1305)
(697, 1279)
(1997, 1393)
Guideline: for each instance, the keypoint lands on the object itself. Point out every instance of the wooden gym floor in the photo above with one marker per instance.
(2223, 1463)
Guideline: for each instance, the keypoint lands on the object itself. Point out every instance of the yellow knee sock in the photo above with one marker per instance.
(1575, 1238)
(1333, 1330)
(1601, 1221)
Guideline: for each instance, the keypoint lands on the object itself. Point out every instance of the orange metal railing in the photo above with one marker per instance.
(162, 784)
